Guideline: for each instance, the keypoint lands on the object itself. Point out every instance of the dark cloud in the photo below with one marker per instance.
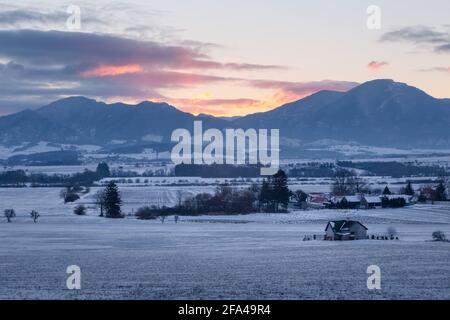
(55, 63)
(88, 49)
(19, 17)
(439, 40)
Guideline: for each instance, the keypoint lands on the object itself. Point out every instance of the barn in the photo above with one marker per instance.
(371, 202)
(345, 230)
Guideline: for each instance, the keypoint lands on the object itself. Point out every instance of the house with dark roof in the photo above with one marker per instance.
(345, 230)
(371, 202)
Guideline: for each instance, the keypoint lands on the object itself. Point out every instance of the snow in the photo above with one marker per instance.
(43, 146)
(132, 259)
(256, 256)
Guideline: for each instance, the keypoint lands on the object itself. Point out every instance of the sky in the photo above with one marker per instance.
(225, 58)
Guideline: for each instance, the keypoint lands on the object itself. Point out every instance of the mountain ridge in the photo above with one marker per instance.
(379, 112)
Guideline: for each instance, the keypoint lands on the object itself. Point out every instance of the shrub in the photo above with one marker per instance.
(147, 213)
(391, 232)
(9, 213)
(80, 210)
(439, 236)
(71, 197)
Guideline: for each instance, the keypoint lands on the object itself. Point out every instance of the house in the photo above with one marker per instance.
(317, 200)
(396, 200)
(371, 202)
(350, 202)
(345, 230)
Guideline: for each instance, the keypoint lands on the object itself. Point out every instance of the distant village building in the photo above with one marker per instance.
(352, 202)
(317, 200)
(345, 230)
(371, 202)
(346, 202)
(408, 199)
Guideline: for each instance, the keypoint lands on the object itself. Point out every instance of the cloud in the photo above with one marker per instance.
(438, 39)
(38, 67)
(20, 18)
(376, 65)
(76, 48)
(437, 69)
(109, 71)
(56, 63)
(17, 16)
(302, 89)
(285, 92)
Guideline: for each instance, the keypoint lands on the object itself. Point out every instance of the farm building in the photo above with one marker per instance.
(351, 202)
(408, 199)
(370, 202)
(345, 230)
(317, 200)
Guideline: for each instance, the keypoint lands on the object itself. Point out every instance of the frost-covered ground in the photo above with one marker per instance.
(257, 256)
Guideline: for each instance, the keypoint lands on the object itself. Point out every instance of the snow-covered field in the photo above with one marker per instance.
(257, 256)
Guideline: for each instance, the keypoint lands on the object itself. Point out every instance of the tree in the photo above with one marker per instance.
(300, 197)
(103, 170)
(343, 183)
(100, 200)
(180, 195)
(113, 201)
(439, 236)
(265, 195)
(441, 194)
(68, 194)
(386, 191)
(34, 215)
(280, 190)
(9, 214)
(409, 189)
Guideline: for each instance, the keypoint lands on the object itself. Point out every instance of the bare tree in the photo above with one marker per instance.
(300, 197)
(347, 182)
(180, 195)
(100, 200)
(9, 214)
(34, 215)
(342, 182)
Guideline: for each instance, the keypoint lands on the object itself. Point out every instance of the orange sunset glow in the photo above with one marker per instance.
(109, 70)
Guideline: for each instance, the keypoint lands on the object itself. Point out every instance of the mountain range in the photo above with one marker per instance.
(377, 113)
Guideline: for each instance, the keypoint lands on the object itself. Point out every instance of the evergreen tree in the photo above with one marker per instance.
(409, 189)
(440, 192)
(103, 170)
(112, 201)
(386, 191)
(281, 192)
(265, 196)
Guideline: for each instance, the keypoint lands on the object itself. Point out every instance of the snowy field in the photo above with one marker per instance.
(257, 256)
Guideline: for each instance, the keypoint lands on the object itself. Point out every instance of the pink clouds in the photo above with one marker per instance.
(375, 66)
(111, 71)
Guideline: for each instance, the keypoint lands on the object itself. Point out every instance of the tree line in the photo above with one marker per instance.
(272, 196)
